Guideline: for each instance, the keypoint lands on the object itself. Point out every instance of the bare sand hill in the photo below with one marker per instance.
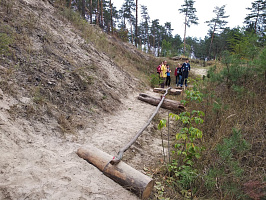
(59, 93)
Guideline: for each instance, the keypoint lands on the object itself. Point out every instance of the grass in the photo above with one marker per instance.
(234, 106)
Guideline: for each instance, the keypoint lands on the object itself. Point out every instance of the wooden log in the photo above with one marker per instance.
(123, 174)
(167, 104)
(172, 91)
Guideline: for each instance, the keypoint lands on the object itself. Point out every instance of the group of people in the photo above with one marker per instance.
(181, 74)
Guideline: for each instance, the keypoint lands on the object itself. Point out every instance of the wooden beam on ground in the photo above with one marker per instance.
(172, 91)
(167, 104)
(123, 174)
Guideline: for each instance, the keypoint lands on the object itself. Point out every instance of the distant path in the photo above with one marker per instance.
(199, 71)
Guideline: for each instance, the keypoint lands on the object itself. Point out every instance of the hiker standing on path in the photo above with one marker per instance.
(168, 77)
(159, 71)
(178, 75)
(185, 69)
(163, 73)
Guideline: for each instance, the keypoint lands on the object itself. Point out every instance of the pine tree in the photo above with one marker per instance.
(155, 34)
(257, 16)
(145, 24)
(190, 16)
(217, 23)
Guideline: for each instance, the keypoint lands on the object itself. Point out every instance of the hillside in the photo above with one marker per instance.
(60, 90)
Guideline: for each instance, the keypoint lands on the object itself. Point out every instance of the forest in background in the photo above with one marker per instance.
(150, 36)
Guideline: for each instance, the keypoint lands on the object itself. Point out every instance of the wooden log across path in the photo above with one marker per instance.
(167, 104)
(123, 174)
(172, 91)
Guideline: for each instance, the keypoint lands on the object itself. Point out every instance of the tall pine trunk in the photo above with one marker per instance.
(83, 9)
(185, 34)
(136, 26)
(97, 15)
(256, 21)
(131, 30)
(212, 39)
(91, 11)
(102, 13)
(111, 15)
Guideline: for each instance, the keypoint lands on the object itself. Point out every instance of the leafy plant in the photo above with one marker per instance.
(192, 95)
(160, 191)
(187, 148)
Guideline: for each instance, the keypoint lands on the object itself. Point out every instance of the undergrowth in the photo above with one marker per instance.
(232, 166)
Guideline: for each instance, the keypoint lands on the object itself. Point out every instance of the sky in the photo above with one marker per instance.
(167, 11)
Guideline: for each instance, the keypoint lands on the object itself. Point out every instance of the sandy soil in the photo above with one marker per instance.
(38, 162)
(34, 165)
(199, 71)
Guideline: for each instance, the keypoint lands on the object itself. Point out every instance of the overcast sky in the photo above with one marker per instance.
(167, 11)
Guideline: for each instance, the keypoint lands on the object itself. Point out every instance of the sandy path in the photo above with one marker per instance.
(199, 71)
(37, 165)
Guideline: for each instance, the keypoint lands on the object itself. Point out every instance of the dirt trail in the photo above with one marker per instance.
(35, 165)
(199, 71)
(37, 161)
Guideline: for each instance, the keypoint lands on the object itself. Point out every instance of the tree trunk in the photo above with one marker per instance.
(212, 39)
(97, 15)
(185, 34)
(123, 174)
(136, 26)
(167, 104)
(102, 13)
(131, 30)
(256, 21)
(91, 11)
(83, 9)
(111, 15)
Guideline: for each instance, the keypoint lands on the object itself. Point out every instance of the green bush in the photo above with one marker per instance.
(260, 64)
(6, 39)
(226, 173)
(154, 80)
